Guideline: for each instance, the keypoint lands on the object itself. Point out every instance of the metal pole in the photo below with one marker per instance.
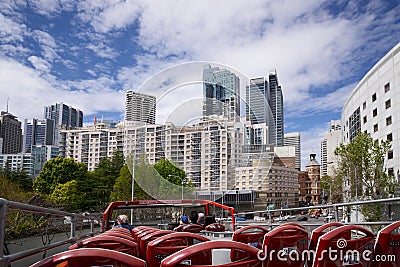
(133, 185)
(356, 178)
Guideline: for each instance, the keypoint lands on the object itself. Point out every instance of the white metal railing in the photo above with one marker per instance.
(6, 205)
(335, 209)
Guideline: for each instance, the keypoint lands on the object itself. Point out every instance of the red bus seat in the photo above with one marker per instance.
(251, 234)
(166, 245)
(88, 257)
(215, 227)
(192, 228)
(286, 242)
(108, 242)
(316, 234)
(119, 234)
(201, 254)
(345, 242)
(387, 244)
(148, 238)
(144, 233)
(293, 223)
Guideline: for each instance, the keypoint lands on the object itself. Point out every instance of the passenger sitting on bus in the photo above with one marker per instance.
(184, 221)
(194, 216)
(209, 220)
(201, 219)
(122, 222)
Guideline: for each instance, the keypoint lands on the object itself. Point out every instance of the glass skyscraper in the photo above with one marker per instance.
(221, 93)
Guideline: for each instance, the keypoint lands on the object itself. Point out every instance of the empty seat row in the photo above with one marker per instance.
(287, 245)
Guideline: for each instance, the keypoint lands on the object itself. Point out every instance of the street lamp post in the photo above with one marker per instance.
(182, 180)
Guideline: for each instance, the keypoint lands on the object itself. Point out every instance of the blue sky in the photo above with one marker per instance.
(88, 53)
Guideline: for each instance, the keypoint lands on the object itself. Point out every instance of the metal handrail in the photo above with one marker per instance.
(6, 205)
(334, 206)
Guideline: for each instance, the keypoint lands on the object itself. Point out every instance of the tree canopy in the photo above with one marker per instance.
(361, 164)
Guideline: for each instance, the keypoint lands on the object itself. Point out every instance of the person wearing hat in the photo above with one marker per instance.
(183, 222)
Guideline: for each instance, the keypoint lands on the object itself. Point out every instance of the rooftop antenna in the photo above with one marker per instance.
(8, 99)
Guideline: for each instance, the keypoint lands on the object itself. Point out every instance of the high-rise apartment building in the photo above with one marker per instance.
(38, 132)
(90, 144)
(208, 151)
(64, 117)
(221, 93)
(331, 140)
(275, 100)
(140, 107)
(293, 139)
(10, 134)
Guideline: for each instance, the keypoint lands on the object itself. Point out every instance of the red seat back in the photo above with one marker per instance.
(166, 245)
(344, 246)
(201, 254)
(119, 234)
(294, 224)
(192, 228)
(215, 227)
(387, 246)
(150, 237)
(316, 234)
(88, 257)
(283, 244)
(108, 242)
(251, 234)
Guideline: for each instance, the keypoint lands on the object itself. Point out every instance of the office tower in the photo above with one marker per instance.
(40, 154)
(275, 100)
(293, 139)
(331, 141)
(221, 93)
(257, 107)
(140, 107)
(38, 132)
(10, 134)
(64, 117)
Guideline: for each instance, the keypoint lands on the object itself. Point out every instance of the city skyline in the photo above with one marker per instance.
(87, 54)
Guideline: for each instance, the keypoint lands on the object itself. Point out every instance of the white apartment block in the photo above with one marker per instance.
(89, 145)
(17, 161)
(207, 151)
(331, 140)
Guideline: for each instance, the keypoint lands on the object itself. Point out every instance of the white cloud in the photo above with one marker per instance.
(47, 43)
(102, 51)
(40, 64)
(11, 31)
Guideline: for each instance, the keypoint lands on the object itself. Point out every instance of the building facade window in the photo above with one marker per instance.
(364, 105)
(387, 87)
(374, 97)
(388, 104)
(388, 120)
(389, 137)
(375, 112)
(390, 154)
(365, 119)
(375, 127)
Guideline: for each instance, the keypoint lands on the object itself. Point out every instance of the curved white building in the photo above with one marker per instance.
(374, 107)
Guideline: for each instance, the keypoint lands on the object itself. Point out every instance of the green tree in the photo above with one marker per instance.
(19, 177)
(69, 196)
(122, 189)
(58, 171)
(361, 163)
